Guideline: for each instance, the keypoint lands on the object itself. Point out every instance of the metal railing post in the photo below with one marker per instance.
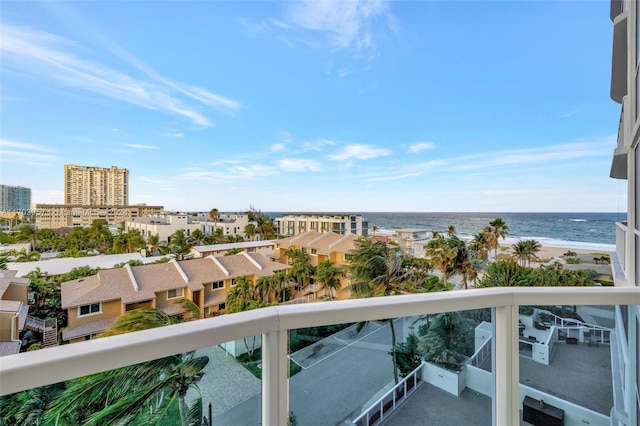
(275, 383)
(507, 390)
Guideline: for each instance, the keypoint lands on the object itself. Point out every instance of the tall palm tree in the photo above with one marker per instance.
(328, 275)
(214, 215)
(479, 246)
(497, 229)
(280, 283)
(441, 256)
(377, 269)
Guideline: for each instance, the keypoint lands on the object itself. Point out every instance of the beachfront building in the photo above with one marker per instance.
(265, 247)
(407, 238)
(232, 224)
(96, 186)
(70, 215)
(319, 247)
(13, 311)
(94, 303)
(295, 224)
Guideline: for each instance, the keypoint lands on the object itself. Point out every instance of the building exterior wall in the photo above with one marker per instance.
(162, 225)
(340, 224)
(15, 198)
(69, 215)
(625, 89)
(111, 309)
(6, 318)
(96, 186)
(16, 292)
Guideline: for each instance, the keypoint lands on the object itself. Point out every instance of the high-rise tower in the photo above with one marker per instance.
(96, 186)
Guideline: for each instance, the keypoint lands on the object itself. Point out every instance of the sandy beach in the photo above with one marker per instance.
(556, 253)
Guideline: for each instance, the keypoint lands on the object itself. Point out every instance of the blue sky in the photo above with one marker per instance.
(494, 106)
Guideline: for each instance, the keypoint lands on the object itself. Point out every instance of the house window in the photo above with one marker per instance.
(94, 308)
(314, 251)
(233, 282)
(176, 292)
(216, 285)
(222, 306)
(304, 249)
(348, 257)
(207, 310)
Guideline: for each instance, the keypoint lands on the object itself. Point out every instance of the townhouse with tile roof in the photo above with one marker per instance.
(320, 247)
(13, 311)
(95, 303)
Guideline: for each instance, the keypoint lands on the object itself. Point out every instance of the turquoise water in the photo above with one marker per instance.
(573, 230)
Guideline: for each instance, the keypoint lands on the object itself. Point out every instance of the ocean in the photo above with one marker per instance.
(592, 231)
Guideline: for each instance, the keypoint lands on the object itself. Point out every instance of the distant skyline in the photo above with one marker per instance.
(315, 106)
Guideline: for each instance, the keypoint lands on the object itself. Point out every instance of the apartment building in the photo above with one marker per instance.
(14, 199)
(69, 215)
(13, 311)
(625, 90)
(320, 247)
(265, 247)
(96, 186)
(163, 225)
(295, 224)
(94, 303)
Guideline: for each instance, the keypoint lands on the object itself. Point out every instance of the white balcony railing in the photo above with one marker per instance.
(33, 369)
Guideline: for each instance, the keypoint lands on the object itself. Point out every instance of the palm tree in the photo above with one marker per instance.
(28, 234)
(140, 319)
(179, 243)
(328, 275)
(479, 246)
(505, 274)
(280, 283)
(497, 228)
(375, 229)
(441, 256)
(143, 391)
(214, 215)
(451, 231)
(520, 252)
(153, 243)
(250, 231)
(196, 237)
(27, 408)
(264, 286)
(377, 269)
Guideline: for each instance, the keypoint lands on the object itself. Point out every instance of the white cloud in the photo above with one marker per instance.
(317, 145)
(278, 147)
(298, 165)
(421, 146)
(360, 152)
(347, 24)
(140, 146)
(25, 153)
(51, 58)
(172, 135)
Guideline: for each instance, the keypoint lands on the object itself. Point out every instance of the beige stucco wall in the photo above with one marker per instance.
(16, 292)
(5, 326)
(109, 310)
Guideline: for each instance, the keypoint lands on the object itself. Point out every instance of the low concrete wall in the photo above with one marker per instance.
(480, 380)
(448, 381)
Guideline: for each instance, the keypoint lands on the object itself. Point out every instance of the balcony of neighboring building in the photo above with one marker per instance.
(620, 154)
(619, 52)
(346, 377)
